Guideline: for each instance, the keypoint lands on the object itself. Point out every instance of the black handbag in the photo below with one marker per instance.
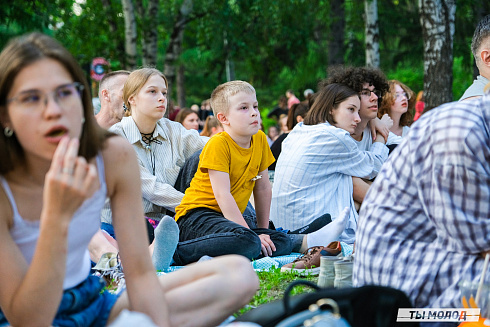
(366, 306)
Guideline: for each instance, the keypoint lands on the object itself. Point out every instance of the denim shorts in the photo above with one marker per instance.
(82, 306)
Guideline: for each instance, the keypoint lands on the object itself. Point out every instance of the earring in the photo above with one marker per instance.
(8, 132)
(83, 120)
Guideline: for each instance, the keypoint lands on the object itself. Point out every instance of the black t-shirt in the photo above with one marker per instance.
(276, 149)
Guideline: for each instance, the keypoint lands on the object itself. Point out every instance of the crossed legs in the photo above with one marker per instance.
(206, 293)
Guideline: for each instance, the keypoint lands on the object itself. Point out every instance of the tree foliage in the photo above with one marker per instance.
(274, 44)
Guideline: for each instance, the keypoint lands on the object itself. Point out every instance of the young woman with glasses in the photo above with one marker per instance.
(57, 167)
(398, 103)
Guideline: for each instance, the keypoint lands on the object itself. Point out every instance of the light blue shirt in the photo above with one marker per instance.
(367, 140)
(314, 176)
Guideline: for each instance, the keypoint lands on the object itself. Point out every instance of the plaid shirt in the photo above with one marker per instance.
(426, 218)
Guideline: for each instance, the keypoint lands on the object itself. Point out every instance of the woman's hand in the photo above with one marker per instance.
(69, 181)
(267, 245)
(386, 119)
(377, 126)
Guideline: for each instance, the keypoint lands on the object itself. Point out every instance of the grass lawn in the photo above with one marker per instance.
(273, 283)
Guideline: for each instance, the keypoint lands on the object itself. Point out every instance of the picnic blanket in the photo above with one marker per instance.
(266, 263)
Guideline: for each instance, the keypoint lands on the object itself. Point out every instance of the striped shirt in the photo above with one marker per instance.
(426, 218)
(159, 163)
(314, 176)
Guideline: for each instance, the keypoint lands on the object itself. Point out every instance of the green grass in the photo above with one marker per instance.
(273, 283)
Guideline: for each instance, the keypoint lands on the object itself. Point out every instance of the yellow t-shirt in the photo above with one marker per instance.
(221, 153)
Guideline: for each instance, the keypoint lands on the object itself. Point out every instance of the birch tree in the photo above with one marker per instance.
(174, 49)
(148, 25)
(372, 33)
(437, 20)
(117, 38)
(130, 34)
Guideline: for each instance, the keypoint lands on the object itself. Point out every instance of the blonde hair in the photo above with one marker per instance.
(222, 93)
(211, 122)
(135, 82)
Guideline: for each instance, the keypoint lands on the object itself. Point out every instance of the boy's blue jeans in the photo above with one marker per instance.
(204, 231)
(82, 305)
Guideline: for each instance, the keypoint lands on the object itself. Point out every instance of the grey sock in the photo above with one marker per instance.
(166, 239)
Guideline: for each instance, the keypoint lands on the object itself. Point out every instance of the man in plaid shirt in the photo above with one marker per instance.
(424, 225)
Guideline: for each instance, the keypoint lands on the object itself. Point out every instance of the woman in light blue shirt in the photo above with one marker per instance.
(318, 160)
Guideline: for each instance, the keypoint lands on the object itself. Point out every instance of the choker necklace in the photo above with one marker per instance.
(148, 138)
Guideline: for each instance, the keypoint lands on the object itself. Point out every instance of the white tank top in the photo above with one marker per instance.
(85, 223)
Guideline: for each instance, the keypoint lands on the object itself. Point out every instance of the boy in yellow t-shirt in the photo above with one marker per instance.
(232, 164)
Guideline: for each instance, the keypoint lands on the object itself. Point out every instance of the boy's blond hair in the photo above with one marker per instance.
(221, 94)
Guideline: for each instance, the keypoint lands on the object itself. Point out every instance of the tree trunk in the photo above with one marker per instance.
(175, 44)
(229, 64)
(372, 33)
(130, 34)
(118, 42)
(151, 35)
(148, 20)
(336, 39)
(181, 86)
(437, 19)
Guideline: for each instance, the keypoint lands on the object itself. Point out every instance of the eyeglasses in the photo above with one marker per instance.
(64, 95)
(404, 94)
(367, 93)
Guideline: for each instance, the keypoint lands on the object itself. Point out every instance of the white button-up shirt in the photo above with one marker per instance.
(159, 163)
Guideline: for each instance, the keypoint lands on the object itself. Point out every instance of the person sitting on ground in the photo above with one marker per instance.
(162, 148)
(103, 244)
(110, 95)
(272, 134)
(292, 99)
(212, 126)
(283, 124)
(188, 118)
(57, 168)
(480, 47)
(203, 112)
(111, 112)
(314, 171)
(296, 115)
(232, 165)
(371, 84)
(280, 109)
(424, 226)
(398, 103)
